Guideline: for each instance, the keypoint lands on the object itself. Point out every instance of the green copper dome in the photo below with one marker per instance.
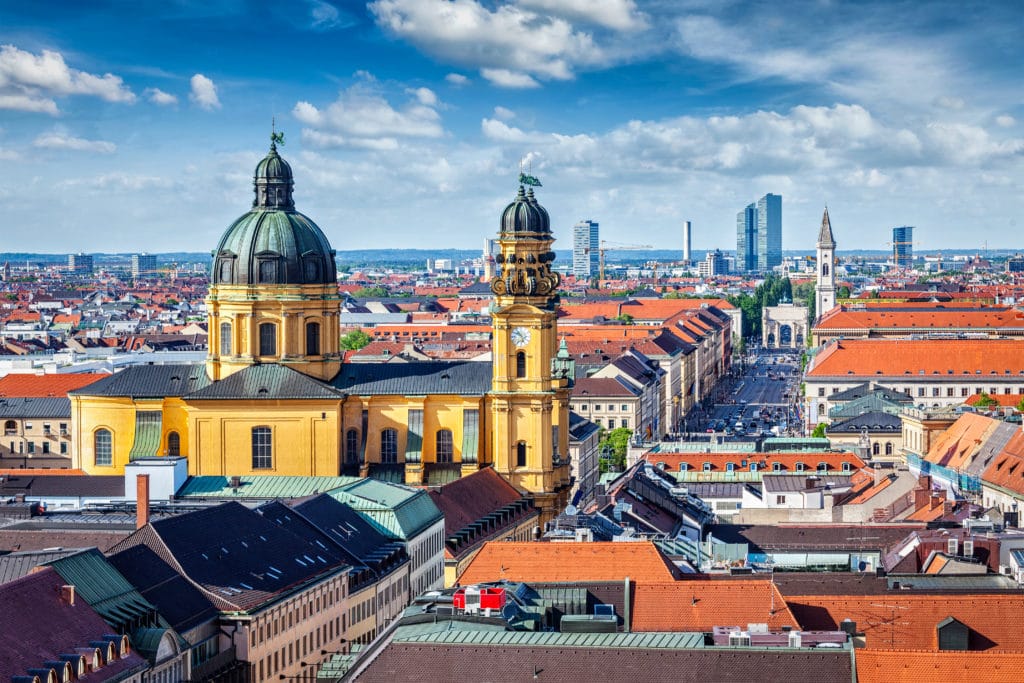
(273, 244)
(525, 218)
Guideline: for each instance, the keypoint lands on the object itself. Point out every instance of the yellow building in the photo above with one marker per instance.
(274, 397)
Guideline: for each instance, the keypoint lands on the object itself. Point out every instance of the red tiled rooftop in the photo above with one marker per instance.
(909, 621)
(568, 562)
(700, 605)
(44, 386)
(977, 359)
(922, 666)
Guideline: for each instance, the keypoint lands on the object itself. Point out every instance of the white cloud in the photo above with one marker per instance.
(503, 113)
(26, 102)
(125, 182)
(950, 102)
(29, 82)
(621, 15)
(457, 80)
(509, 79)
(1005, 121)
(362, 117)
(425, 96)
(158, 96)
(204, 92)
(502, 132)
(512, 43)
(9, 154)
(323, 15)
(61, 140)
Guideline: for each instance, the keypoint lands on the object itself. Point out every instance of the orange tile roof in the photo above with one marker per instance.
(870, 492)
(935, 317)
(917, 666)
(908, 621)
(957, 446)
(566, 562)
(974, 358)
(44, 386)
(1003, 400)
(700, 605)
(1007, 468)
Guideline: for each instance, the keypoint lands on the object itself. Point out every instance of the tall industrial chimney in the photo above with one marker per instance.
(687, 235)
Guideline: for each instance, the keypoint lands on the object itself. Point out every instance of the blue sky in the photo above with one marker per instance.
(129, 126)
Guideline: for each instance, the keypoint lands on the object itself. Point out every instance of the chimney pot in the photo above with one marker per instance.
(67, 595)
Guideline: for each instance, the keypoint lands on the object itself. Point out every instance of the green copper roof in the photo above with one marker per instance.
(261, 487)
(148, 434)
(103, 587)
(457, 635)
(398, 511)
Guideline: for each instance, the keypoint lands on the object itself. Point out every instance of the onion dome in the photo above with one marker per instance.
(273, 244)
(525, 218)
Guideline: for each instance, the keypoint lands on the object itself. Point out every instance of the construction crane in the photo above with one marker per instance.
(606, 245)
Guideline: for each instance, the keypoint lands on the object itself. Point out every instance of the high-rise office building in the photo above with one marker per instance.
(585, 249)
(746, 239)
(143, 264)
(759, 235)
(687, 235)
(80, 263)
(769, 231)
(903, 246)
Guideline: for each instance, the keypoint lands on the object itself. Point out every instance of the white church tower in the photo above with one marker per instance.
(825, 290)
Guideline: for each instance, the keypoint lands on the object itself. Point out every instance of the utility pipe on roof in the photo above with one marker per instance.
(626, 608)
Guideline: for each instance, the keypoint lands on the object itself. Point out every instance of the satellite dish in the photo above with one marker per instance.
(571, 510)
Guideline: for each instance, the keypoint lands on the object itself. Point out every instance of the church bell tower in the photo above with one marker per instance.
(531, 379)
(825, 289)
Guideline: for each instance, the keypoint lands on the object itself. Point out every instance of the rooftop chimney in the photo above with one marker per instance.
(141, 501)
(67, 595)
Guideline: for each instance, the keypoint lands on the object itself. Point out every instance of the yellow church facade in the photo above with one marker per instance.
(275, 398)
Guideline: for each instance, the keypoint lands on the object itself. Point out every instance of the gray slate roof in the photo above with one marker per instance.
(149, 381)
(874, 421)
(266, 381)
(466, 378)
(16, 408)
(63, 485)
(16, 565)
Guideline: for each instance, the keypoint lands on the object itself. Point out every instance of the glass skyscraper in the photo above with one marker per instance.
(759, 235)
(585, 245)
(903, 246)
(746, 239)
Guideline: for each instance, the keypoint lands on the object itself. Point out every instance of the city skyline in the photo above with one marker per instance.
(133, 128)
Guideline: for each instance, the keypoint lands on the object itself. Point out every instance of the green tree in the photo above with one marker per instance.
(615, 443)
(625, 319)
(819, 431)
(1020, 406)
(843, 292)
(355, 340)
(986, 401)
(370, 293)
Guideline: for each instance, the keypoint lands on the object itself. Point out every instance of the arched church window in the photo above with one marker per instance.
(225, 339)
(521, 454)
(173, 443)
(389, 445)
(262, 448)
(520, 364)
(444, 445)
(875, 448)
(888, 448)
(312, 339)
(824, 269)
(225, 270)
(268, 339)
(103, 447)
